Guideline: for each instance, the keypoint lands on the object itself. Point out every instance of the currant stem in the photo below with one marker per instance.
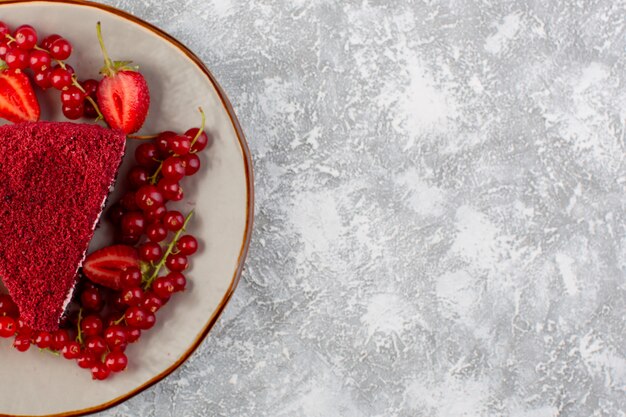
(142, 137)
(153, 177)
(167, 253)
(121, 319)
(79, 335)
(201, 127)
(107, 60)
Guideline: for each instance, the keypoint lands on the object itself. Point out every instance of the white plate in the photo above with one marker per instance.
(37, 383)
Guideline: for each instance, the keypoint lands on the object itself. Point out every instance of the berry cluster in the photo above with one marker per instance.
(20, 51)
(126, 283)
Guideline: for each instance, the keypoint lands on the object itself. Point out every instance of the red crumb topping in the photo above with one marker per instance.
(54, 178)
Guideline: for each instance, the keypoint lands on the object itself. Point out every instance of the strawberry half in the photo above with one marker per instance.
(123, 94)
(105, 266)
(18, 102)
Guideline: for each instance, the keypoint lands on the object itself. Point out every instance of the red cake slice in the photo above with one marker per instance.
(54, 179)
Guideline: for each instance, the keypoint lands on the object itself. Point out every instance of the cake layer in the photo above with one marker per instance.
(54, 178)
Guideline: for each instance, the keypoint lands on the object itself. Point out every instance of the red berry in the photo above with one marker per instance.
(72, 96)
(156, 232)
(23, 329)
(60, 49)
(179, 195)
(150, 252)
(71, 350)
(129, 240)
(162, 143)
(43, 78)
(152, 302)
(4, 48)
(173, 220)
(163, 287)
(179, 280)
(91, 326)
(61, 78)
(132, 334)
(7, 306)
(86, 360)
(90, 86)
(25, 37)
(173, 168)
(131, 277)
(91, 299)
(43, 340)
(201, 142)
(191, 162)
(115, 337)
(95, 345)
(169, 188)
(149, 197)
(21, 343)
(129, 202)
(132, 296)
(179, 144)
(73, 112)
(7, 326)
(147, 155)
(117, 303)
(116, 361)
(47, 41)
(155, 214)
(60, 338)
(187, 245)
(176, 262)
(100, 372)
(140, 318)
(4, 30)
(133, 223)
(16, 58)
(137, 177)
(39, 60)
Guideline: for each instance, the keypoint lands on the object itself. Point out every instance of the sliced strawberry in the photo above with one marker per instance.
(105, 266)
(123, 94)
(18, 102)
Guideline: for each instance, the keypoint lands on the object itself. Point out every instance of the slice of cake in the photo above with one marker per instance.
(54, 180)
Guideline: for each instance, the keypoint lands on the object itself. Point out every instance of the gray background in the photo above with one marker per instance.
(440, 225)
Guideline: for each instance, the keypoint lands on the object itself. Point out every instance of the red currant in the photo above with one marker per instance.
(137, 177)
(179, 280)
(25, 37)
(99, 371)
(43, 340)
(152, 302)
(163, 287)
(173, 220)
(47, 41)
(133, 223)
(116, 361)
(86, 360)
(16, 58)
(140, 318)
(115, 337)
(7, 306)
(169, 188)
(61, 78)
(21, 343)
(90, 86)
(4, 48)
(201, 142)
(149, 197)
(71, 350)
(117, 303)
(23, 329)
(176, 262)
(128, 239)
(173, 168)
(156, 232)
(162, 143)
(39, 60)
(150, 252)
(179, 144)
(60, 49)
(132, 296)
(95, 345)
(72, 96)
(43, 78)
(91, 326)
(155, 214)
(129, 202)
(7, 326)
(187, 245)
(60, 338)
(73, 112)
(91, 299)
(147, 155)
(132, 334)
(191, 162)
(131, 277)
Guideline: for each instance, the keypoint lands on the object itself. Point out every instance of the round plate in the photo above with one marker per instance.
(38, 383)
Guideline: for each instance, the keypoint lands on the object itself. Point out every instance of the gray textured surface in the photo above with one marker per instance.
(440, 225)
